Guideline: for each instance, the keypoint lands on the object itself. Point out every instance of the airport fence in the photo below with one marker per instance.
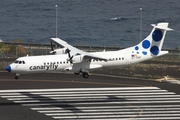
(14, 50)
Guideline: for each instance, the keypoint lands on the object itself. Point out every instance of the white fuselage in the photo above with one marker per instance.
(34, 64)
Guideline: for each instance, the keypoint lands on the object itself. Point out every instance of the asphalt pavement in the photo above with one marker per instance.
(67, 96)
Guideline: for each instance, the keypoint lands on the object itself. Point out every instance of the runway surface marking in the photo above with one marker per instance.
(141, 103)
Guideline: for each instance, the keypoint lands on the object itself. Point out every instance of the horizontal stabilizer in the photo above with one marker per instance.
(162, 26)
(163, 53)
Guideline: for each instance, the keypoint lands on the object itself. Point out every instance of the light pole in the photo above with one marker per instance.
(56, 18)
(140, 34)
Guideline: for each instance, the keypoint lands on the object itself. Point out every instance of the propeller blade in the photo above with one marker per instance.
(69, 55)
(71, 59)
(52, 46)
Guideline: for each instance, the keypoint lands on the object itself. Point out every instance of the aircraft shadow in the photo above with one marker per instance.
(66, 105)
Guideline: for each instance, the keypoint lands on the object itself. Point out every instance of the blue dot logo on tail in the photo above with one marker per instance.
(157, 35)
(136, 48)
(146, 44)
(154, 50)
(144, 52)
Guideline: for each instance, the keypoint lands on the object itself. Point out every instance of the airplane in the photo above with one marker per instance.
(69, 58)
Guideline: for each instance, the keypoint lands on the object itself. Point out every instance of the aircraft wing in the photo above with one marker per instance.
(64, 44)
(76, 51)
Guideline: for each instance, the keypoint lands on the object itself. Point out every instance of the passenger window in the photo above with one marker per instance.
(23, 62)
(20, 62)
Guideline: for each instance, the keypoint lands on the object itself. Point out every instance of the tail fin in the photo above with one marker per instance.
(154, 41)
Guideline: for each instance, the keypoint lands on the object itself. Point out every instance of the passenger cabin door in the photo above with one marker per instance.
(128, 58)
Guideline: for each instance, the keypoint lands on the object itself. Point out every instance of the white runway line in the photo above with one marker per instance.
(79, 89)
(102, 103)
(97, 97)
(155, 118)
(74, 95)
(137, 103)
(145, 107)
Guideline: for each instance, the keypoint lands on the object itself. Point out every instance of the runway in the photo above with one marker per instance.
(67, 96)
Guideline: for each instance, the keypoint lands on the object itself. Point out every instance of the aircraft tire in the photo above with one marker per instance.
(16, 77)
(85, 75)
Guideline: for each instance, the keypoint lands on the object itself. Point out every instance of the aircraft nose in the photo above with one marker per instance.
(8, 68)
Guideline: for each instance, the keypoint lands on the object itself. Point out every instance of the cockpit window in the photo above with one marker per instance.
(19, 62)
(16, 61)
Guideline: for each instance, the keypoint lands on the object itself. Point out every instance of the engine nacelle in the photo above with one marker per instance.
(77, 59)
(60, 51)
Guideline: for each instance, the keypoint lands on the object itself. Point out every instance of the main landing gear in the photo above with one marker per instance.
(85, 74)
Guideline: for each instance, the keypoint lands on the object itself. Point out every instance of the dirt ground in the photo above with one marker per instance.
(153, 69)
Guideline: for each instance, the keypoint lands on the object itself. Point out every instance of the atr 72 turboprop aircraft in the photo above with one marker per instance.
(72, 59)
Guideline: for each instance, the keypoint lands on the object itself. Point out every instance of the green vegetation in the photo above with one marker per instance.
(17, 50)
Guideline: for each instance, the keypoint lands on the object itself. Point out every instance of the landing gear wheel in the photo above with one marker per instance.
(85, 75)
(16, 77)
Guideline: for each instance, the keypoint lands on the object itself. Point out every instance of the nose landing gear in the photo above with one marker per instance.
(17, 76)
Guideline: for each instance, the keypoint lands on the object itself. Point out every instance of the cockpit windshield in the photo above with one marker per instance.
(19, 62)
(16, 61)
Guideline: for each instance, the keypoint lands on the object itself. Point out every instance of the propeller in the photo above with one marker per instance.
(69, 55)
(52, 49)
